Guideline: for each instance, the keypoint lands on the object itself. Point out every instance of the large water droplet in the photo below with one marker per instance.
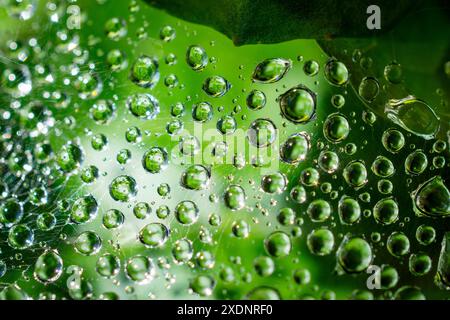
(414, 115)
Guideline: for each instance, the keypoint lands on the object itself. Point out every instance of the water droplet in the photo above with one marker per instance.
(298, 104)
(202, 112)
(336, 128)
(271, 70)
(320, 242)
(336, 73)
(123, 188)
(295, 148)
(143, 106)
(355, 174)
(216, 86)
(278, 244)
(256, 100)
(369, 88)
(84, 210)
(349, 210)
(145, 72)
(155, 160)
(186, 212)
(108, 266)
(432, 198)
(154, 235)
(88, 243)
(414, 115)
(48, 267)
(196, 58)
(274, 183)
(262, 133)
(354, 254)
(196, 177)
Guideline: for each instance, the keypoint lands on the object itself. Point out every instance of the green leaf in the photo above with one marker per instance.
(271, 21)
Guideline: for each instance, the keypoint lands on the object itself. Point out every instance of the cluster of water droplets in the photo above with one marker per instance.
(339, 176)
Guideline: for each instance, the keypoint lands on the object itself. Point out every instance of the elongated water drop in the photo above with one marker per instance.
(271, 70)
(414, 115)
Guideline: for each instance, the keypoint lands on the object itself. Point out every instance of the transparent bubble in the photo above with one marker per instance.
(286, 216)
(264, 266)
(338, 101)
(355, 174)
(99, 142)
(328, 161)
(234, 197)
(70, 157)
(298, 194)
(309, 177)
(349, 210)
(302, 276)
(182, 250)
(46, 221)
(383, 167)
(11, 211)
(393, 73)
(167, 33)
(414, 115)
(393, 140)
(409, 293)
(133, 135)
(240, 229)
(116, 60)
(89, 85)
(369, 88)
(227, 125)
(203, 285)
(419, 264)
(177, 110)
(425, 235)
(311, 68)
(432, 198)
(386, 211)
